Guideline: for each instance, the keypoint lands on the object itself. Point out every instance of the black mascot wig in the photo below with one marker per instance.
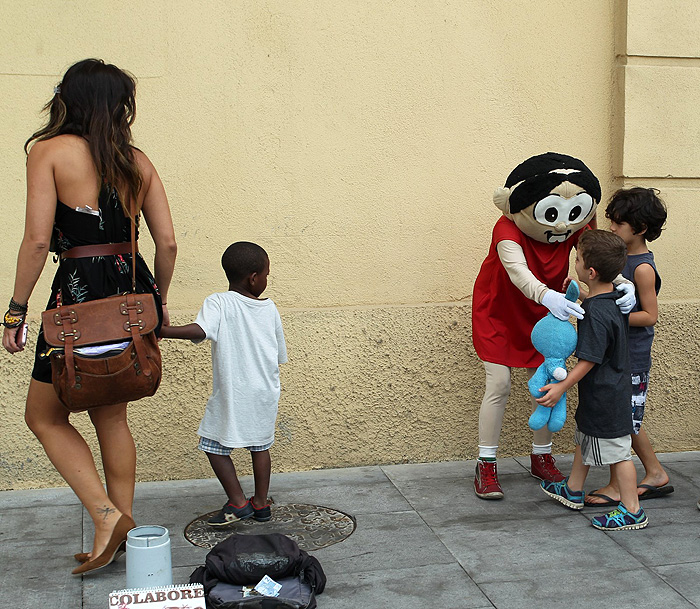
(537, 176)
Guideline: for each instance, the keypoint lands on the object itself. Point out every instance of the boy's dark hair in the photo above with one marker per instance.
(641, 208)
(243, 258)
(603, 251)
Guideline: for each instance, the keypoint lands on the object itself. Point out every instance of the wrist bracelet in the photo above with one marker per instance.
(15, 306)
(13, 321)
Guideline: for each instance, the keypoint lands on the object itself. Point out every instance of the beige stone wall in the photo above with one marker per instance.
(659, 81)
(359, 143)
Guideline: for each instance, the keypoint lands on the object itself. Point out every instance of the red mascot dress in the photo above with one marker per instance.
(547, 202)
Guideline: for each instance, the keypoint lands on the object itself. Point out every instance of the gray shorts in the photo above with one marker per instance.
(213, 447)
(603, 451)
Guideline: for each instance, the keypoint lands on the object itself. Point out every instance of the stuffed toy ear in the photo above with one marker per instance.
(573, 291)
(501, 197)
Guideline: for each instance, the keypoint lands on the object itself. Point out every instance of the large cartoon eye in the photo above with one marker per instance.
(554, 208)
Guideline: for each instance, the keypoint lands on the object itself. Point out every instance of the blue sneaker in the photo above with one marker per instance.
(620, 519)
(562, 493)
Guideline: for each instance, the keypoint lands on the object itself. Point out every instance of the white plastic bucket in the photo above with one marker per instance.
(148, 560)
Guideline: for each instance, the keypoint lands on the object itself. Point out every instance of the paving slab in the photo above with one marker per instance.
(585, 589)
(43, 521)
(684, 579)
(448, 497)
(423, 539)
(498, 550)
(34, 498)
(409, 588)
(35, 571)
(385, 541)
(664, 544)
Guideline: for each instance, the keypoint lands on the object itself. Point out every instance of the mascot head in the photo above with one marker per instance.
(549, 197)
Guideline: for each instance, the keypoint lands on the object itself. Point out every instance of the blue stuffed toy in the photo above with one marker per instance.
(556, 340)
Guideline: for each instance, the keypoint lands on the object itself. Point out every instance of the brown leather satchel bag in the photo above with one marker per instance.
(84, 381)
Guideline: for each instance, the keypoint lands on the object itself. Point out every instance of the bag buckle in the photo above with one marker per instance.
(140, 324)
(61, 315)
(124, 307)
(62, 335)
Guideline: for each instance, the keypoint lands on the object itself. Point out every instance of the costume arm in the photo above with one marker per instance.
(619, 280)
(513, 260)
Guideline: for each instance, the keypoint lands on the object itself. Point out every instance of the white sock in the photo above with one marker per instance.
(541, 449)
(488, 452)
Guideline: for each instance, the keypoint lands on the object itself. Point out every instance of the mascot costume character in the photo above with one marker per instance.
(547, 202)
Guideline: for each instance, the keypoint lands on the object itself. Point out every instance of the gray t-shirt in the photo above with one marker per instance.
(641, 337)
(605, 393)
(247, 346)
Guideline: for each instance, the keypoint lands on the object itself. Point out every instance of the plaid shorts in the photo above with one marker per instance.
(640, 385)
(603, 451)
(214, 448)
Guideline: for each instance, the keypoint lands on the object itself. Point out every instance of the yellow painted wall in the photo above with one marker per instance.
(359, 143)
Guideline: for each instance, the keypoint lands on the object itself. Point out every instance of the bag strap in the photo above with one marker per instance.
(133, 305)
(133, 245)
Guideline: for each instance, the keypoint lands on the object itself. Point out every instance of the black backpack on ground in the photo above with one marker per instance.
(243, 560)
(295, 593)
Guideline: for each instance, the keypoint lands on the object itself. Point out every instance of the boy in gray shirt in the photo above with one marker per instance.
(603, 421)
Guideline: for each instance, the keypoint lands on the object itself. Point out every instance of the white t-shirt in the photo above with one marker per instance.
(247, 346)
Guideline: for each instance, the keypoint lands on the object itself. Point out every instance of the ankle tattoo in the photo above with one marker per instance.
(105, 511)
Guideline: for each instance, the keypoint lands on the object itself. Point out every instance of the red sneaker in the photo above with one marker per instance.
(486, 483)
(542, 467)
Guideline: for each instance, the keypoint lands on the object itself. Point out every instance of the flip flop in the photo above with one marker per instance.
(652, 491)
(607, 503)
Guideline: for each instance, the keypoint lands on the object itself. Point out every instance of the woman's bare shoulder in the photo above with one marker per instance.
(59, 145)
(145, 166)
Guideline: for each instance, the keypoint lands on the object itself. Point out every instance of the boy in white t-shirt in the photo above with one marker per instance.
(247, 346)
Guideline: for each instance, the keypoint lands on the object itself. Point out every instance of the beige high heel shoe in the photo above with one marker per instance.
(85, 556)
(116, 540)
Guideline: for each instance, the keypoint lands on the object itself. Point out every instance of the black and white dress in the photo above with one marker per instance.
(83, 279)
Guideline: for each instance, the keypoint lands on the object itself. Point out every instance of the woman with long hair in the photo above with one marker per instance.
(84, 178)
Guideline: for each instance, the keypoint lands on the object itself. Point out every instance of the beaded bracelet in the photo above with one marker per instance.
(13, 321)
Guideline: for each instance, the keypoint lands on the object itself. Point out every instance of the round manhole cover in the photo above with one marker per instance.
(311, 526)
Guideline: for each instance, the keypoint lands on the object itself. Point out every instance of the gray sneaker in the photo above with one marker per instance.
(230, 514)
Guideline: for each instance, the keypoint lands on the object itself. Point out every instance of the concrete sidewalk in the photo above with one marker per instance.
(423, 539)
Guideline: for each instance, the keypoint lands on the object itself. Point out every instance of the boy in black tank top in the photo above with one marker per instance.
(637, 215)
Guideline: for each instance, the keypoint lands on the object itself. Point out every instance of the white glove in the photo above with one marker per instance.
(560, 307)
(627, 301)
